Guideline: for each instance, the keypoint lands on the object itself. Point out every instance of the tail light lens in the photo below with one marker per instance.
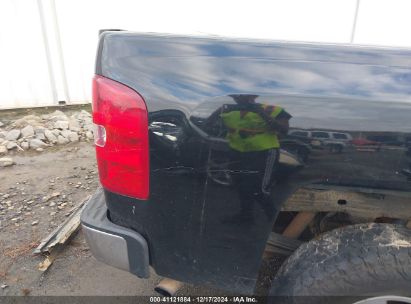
(121, 137)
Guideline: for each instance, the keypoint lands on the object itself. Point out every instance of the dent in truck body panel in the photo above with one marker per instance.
(194, 189)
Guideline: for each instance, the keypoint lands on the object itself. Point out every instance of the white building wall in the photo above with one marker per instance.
(47, 47)
(24, 75)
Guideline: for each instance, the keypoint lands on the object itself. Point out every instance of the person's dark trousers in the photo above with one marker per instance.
(253, 175)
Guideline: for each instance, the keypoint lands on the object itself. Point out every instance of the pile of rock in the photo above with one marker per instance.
(38, 132)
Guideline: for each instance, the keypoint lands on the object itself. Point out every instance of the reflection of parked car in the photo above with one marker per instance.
(387, 140)
(363, 144)
(335, 141)
(300, 148)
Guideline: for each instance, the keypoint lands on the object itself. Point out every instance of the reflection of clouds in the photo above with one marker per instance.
(320, 113)
(205, 109)
(183, 73)
(174, 46)
(344, 114)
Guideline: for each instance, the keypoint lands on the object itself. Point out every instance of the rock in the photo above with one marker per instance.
(27, 120)
(74, 124)
(65, 133)
(61, 124)
(13, 134)
(3, 150)
(4, 286)
(39, 130)
(1, 124)
(55, 194)
(84, 112)
(41, 136)
(89, 127)
(73, 137)
(89, 135)
(6, 161)
(50, 136)
(52, 204)
(62, 140)
(3, 134)
(11, 145)
(56, 116)
(36, 143)
(49, 197)
(27, 131)
(34, 223)
(56, 132)
(39, 149)
(25, 145)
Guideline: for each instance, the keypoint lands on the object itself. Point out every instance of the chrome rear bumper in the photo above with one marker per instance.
(112, 244)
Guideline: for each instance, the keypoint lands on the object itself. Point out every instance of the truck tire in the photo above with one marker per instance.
(359, 260)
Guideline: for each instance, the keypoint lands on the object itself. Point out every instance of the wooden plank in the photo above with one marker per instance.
(298, 224)
(43, 266)
(367, 205)
(62, 233)
(53, 244)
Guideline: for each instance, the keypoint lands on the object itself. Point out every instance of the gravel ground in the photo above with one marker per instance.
(36, 195)
(39, 188)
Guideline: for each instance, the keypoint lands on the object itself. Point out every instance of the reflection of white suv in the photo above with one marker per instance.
(336, 141)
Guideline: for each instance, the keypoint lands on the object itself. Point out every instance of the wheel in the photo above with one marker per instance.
(385, 300)
(355, 261)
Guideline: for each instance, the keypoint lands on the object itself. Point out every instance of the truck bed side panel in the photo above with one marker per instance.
(189, 219)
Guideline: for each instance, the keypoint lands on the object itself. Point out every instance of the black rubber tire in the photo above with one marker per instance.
(359, 260)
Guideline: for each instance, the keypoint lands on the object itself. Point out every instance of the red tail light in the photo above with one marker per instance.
(122, 145)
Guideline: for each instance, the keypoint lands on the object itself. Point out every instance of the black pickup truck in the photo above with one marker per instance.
(202, 183)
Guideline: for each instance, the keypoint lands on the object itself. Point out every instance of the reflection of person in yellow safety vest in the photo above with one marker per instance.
(255, 129)
(252, 132)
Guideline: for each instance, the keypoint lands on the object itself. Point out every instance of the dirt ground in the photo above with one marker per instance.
(36, 196)
(27, 216)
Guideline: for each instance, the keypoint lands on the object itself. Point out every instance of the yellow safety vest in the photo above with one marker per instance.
(249, 132)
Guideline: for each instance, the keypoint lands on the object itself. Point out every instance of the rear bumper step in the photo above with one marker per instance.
(112, 244)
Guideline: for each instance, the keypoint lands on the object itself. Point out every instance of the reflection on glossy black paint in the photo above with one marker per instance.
(209, 215)
(250, 160)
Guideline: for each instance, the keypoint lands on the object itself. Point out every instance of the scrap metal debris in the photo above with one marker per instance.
(52, 245)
